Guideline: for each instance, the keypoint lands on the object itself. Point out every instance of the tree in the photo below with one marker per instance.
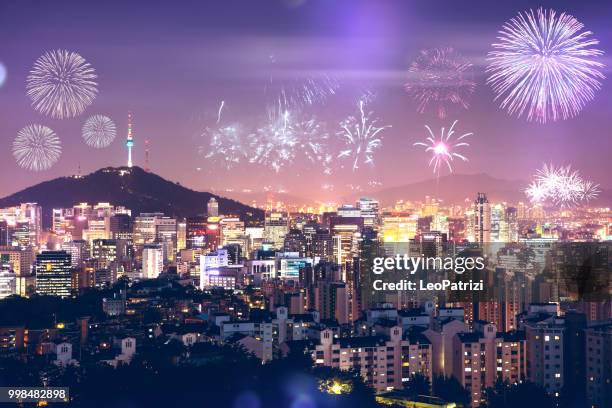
(449, 389)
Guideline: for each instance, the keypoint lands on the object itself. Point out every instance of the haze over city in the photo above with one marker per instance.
(174, 68)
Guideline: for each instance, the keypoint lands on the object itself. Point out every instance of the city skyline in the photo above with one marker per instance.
(177, 82)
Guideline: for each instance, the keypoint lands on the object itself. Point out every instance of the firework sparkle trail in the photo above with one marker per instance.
(440, 78)
(361, 137)
(544, 66)
(443, 148)
(61, 84)
(99, 131)
(36, 148)
(560, 186)
(293, 91)
(274, 144)
(227, 145)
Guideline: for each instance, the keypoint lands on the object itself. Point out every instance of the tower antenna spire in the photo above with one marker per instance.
(130, 140)
(147, 168)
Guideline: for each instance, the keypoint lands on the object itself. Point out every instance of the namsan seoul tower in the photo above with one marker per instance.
(130, 140)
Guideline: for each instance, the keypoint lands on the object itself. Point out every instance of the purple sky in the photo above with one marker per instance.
(173, 64)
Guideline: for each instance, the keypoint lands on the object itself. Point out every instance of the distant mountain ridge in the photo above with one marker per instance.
(457, 188)
(134, 188)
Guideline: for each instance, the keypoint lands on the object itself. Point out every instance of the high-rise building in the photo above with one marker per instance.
(276, 226)
(545, 358)
(212, 207)
(104, 252)
(8, 282)
(121, 227)
(369, 209)
(482, 219)
(331, 300)
(484, 356)
(152, 261)
(53, 273)
(195, 230)
(166, 236)
(145, 230)
(598, 368)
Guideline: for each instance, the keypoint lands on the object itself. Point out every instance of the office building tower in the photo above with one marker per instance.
(276, 226)
(121, 227)
(369, 211)
(166, 236)
(8, 282)
(152, 261)
(145, 230)
(181, 235)
(232, 232)
(482, 219)
(212, 207)
(104, 253)
(53, 273)
(195, 230)
(211, 265)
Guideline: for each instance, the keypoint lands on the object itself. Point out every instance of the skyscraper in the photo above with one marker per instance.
(130, 140)
(53, 273)
(482, 219)
(152, 261)
(212, 208)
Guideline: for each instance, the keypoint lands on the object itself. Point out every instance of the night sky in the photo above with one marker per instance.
(172, 64)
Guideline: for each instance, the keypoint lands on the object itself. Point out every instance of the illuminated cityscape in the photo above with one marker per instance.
(348, 205)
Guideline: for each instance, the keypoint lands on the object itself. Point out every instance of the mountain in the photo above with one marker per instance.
(456, 188)
(133, 188)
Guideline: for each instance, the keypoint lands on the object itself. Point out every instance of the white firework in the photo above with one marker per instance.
(274, 144)
(544, 66)
(313, 142)
(443, 148)
(99, 131)
(362, 137)
(560, 186)
(36, 147)
(61, 84)
(289, 90)
(226, 145)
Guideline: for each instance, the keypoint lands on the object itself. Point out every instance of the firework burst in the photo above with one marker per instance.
(313, 142)
(227, 145)
(560, 186)
(36, 148)
(61, 84)
(292, 91)
(274, 144)
(361, 136)
(99, 131)
(544, 66)
(440, 78)
(443, 148)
